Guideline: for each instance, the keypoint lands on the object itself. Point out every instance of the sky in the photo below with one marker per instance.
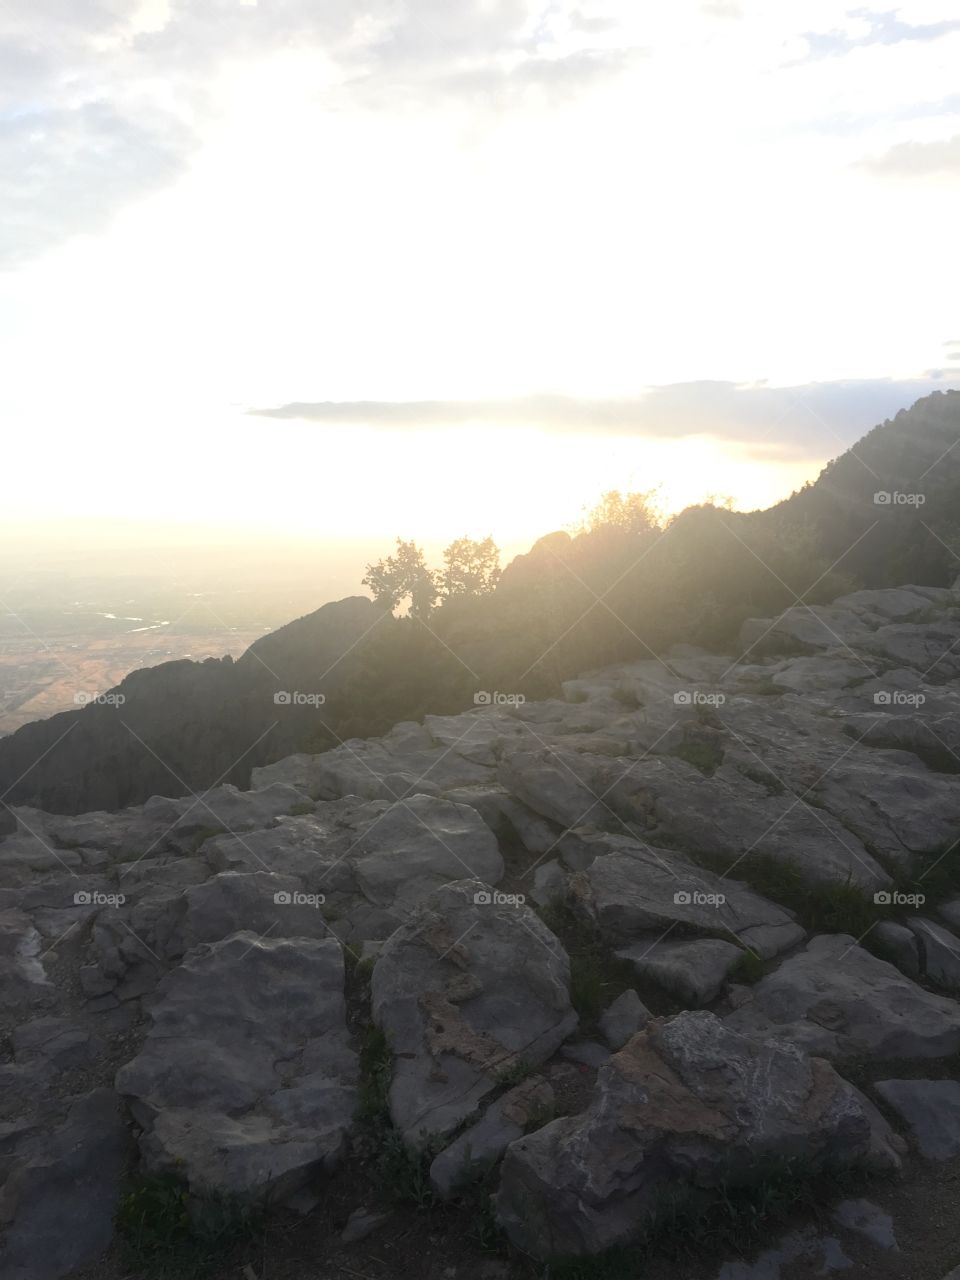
(344, 270)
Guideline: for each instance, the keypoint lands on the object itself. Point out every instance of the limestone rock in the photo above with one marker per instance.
(467, 989)
(693, 971)
(245, 1082)
(633, 890)
(623, 1018)
(687, 1095)
(60, 1196)
(836, 999)
(932, 1110)
(478, 1148)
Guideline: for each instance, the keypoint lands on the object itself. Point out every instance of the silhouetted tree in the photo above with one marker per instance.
(404, 577)
(624, 512)
(471, 568)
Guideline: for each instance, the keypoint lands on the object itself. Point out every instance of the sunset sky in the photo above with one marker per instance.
(353, 269)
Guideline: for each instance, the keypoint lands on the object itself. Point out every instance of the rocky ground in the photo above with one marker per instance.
(660, 979)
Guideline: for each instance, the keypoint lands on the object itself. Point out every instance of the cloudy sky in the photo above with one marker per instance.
(442, 266)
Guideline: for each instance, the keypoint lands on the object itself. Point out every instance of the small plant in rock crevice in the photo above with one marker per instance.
(169, 1234)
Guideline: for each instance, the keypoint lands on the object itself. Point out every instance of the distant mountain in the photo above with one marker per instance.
(885, 513)
(183, 725)
(889, 508)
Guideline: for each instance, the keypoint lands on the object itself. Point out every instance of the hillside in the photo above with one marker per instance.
(573, 602)
(598, 977)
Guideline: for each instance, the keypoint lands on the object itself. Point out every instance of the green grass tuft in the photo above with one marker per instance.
(168, 1234)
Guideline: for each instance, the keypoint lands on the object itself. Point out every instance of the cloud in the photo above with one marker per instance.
(100, 105)
(883, 28)
(788, 422)
(918, 159)
(555, 77)
(64, 172)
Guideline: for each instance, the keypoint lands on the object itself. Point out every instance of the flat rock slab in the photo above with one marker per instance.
(631, 889)
(684, 1093)
(836, 999)
(477, 1149)
(60, 1197)
(23, 979)
(372, 860)
(868, 1220)
(694, 971)
(420, 844)
(245, 1082)
(623, 1018)
(467, 990)
(939, 952)
(932, 1110)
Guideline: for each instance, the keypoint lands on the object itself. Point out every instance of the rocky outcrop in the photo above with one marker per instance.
(687, 1106)
(245, 1082)
(632, 889)
(468, 991)
(61, 1190)
(838, 1000)
(679, 821)
(931, 1109)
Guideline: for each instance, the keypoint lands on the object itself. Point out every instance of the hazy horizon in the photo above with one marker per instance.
(445, 269)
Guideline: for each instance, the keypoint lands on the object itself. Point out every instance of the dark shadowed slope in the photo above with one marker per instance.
(571, 604)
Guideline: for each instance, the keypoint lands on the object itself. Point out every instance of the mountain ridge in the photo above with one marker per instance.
(569, 604)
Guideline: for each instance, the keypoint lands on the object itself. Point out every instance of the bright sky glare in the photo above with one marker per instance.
(216, 206)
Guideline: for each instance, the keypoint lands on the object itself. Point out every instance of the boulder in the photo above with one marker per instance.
(245, 1081)
(939, 952)
(623, 1018)
(475, 1151)
(897, 944)
(634, 889)
(470, 987)
(931, 1108)
(866, 1219)
(420, 844)
(60, 1196)
(23, 979)
(686, 1108)
(836, 999)
(694, 972)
